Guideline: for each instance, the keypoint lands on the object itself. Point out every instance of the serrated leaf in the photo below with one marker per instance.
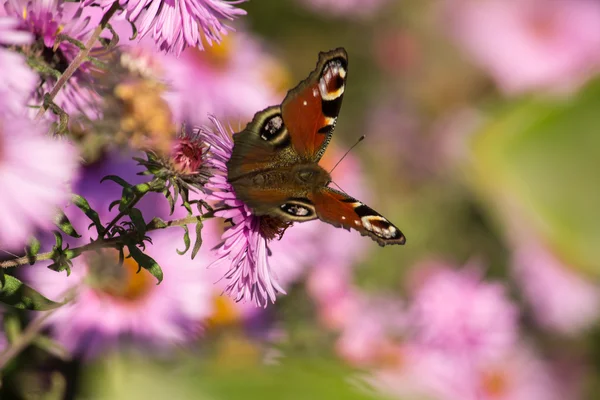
(65, 225)
(198, 242)
(117, 179)
(81, 203)
(32, 250)
(146, 262)
(16, 294)
(186, 241)
(138, 221)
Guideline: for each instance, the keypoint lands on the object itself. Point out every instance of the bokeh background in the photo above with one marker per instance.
(482, 145)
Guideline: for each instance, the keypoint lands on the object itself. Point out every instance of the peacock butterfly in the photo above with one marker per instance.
(274, 166)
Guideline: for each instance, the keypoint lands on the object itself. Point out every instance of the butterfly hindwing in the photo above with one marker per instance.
(341, 210)
(310, 110)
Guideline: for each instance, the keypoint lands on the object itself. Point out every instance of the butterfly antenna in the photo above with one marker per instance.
(360, 139)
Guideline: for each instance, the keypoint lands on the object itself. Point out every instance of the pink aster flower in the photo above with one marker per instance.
(174, 26)
(222, 75)
(530, 44)
(34, 172)
(18, 82)
(244, 248)
(45, 20)
(347, 8)
(456, 311)
(561, 299)
(433, 374)
(114, 302)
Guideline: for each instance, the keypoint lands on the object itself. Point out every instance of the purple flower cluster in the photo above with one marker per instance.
(34, 169)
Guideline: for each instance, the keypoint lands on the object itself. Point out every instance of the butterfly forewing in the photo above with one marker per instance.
(310, 110)
(341, 210)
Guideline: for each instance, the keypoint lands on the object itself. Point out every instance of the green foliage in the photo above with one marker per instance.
(65, 225)
(294, 378)
(537, 163)
(145, 261)
(84, 206)
(16, 294)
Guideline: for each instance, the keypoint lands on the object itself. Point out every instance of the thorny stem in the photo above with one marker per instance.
(80, 58)
(111, 242)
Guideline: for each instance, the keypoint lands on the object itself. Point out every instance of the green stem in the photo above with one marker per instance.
(79, 59)
(108, 243)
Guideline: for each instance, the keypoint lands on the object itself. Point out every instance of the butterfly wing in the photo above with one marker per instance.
(310, 110)
(341, 210)
(258, 147)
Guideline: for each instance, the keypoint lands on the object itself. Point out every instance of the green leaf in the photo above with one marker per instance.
(113, 204)
(198, 242)
(118, 180)
(65, 225)
(146, 262)
(84, 206)
(138, 221)
(61, 265)
(186, 241)
(32, 250)
(536, 166)
(16, 294)
(12, 326)
(158, 223)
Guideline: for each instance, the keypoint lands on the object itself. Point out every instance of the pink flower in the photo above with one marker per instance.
(176, 25)
(530, 44)
(113, 302)
(456, 311)
(433, 374)
(222, 76)
(561, 299)
(34, 172)
(219, 73)
(244, 248)
(349, 8)
(19, 81)
(45, 20)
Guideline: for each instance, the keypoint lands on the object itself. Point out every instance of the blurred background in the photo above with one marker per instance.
(482, 145)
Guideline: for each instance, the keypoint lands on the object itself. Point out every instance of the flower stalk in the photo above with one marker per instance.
(114, 242)
(79, 59)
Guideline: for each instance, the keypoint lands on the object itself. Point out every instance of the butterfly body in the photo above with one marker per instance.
(274, 166)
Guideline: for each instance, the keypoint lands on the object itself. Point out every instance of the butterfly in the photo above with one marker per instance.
(274, 167)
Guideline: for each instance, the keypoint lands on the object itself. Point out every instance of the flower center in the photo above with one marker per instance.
(494, 383)
(146, 115)
(122, 282)
(272, 227)
(218, 55)
(542, 23)
(187, 155)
